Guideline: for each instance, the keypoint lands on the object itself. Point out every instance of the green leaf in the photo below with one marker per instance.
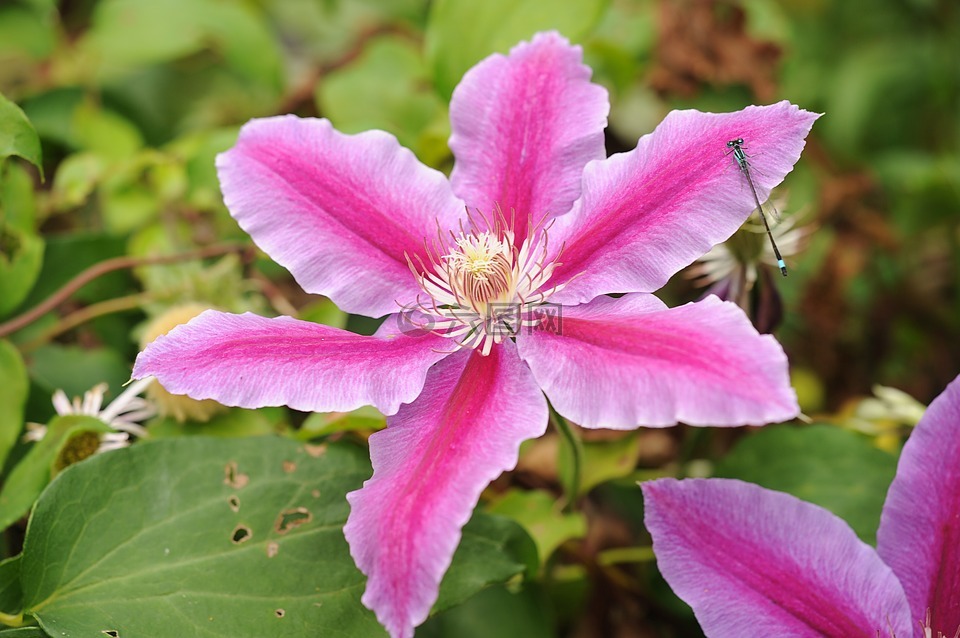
(196, 533)
(494, 612)
(493, 550)
(388, 87)
(128, 208)
(75, 370)
(11, 595)
(232, 423)
(462, 32)
(76, 177)
(324, 311)
(624, 37)
(18, 200)
(240, 34)
(104, 132)
(131, 33)
(17, 135)
(323, 424)
(21, 257)
(24, 33)
(322, 31)
(13, 397)
(569, 458)
(24, 632)
(199, 151)
(70, 118)
(134, 32)
(51, 113)
(606, 460)
(66, 255)
(542, 516)
(34, 471)
(822, 464)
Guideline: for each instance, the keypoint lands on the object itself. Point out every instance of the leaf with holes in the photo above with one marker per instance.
(201, 536)
(216, 537)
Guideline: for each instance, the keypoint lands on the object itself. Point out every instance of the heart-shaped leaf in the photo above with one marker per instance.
(218, 537)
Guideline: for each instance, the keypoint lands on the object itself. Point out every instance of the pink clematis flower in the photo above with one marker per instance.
(743, 556)
(474, 260)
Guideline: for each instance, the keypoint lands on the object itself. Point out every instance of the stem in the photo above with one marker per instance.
(302, 93)
(693, 438)
(104, 267)
(273, 294)
(619, 555)
(71, 321)
(576, 453)
(11, 620)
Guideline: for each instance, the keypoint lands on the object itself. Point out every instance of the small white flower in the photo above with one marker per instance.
(122, 415)
(886, 411)
(733, 258)
(893, 404)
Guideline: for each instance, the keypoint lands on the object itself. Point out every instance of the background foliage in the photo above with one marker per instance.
(111, 114)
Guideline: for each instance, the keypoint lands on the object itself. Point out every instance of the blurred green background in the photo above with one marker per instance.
(132, 99)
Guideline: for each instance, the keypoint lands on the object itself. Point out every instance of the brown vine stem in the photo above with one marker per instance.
(302, 95)
(106, 266)
(82, 316)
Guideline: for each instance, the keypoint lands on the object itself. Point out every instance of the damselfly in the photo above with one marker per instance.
(736, 147)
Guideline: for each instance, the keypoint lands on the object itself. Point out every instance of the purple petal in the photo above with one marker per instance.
(646, 214)
(430, 465)
(919, 535)
(754, 562)
(524, 126)
(619, 363)
(338, 211)
(252, 361)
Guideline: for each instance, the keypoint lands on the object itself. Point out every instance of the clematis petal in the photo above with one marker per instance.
(617, 363)
(524, 126)
(646, 214)
(429, 467)
(338, 211)
(250, 361)
(919, 535)
(754, 562)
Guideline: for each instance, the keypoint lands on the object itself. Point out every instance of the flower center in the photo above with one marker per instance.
(482, 270)
(479, 288)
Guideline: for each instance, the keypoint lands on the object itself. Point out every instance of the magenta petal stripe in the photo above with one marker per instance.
(524, 126)
(338, 211)
(250, 361)
(754, 562)
(647, 213)
(919, 535)
(429, 467)
(620, 363)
